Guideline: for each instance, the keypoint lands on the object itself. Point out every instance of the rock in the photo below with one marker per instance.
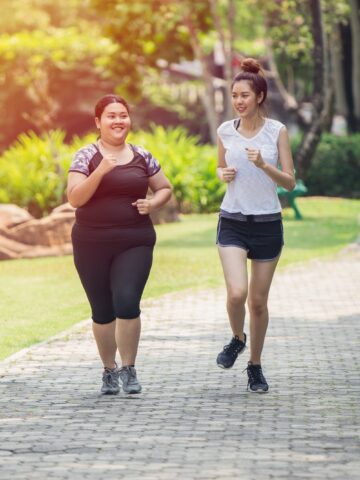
(53, 251)
(166, 214)
(64, 208)
(55, 229)
(11, 215)
(22, 236)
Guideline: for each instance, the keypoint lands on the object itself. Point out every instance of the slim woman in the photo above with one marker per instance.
(113, 236)
(250, 149)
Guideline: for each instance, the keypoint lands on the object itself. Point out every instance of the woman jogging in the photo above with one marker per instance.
(113, 236)
(250, 148)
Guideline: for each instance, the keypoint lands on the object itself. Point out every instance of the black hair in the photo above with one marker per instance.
(107, 100)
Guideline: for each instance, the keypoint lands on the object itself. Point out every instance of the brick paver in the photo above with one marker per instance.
(194, 420)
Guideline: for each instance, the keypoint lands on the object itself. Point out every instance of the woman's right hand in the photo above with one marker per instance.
(228, 174)
(107, 164)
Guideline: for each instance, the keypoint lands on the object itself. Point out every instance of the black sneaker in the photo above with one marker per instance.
(227, 357)
(256, 379)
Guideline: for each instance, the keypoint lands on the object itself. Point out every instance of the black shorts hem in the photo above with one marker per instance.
(263, 241)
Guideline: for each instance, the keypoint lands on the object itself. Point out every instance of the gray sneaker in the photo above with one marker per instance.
(110, 381)
(129, 380)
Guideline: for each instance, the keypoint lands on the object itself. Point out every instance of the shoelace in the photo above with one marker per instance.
(109, 376)
(255, 374)
(233, 347)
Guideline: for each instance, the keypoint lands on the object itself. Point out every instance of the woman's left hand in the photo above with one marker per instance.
(255, 157)
(143, 205)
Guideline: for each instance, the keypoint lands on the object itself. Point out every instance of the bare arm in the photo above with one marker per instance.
(161, 188)
(284, 177)
(81, 188)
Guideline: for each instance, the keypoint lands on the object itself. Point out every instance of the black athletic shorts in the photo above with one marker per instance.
(263, 241)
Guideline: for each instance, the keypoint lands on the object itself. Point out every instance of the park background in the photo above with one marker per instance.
(174, 62)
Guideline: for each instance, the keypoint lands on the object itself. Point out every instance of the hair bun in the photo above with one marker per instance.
(250, 65)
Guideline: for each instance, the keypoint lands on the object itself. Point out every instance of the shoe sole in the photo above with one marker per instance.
(258, 391)
(132, 392)
(220, 365)
(109, 392)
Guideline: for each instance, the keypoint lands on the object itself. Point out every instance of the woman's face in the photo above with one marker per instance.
(244, 100)
(114, 123)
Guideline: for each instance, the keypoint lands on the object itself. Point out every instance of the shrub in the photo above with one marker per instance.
(190, 167)
(33, 172)
(335, 169)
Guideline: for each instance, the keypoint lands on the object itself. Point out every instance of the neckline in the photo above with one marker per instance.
(254, 136)
(121, 164)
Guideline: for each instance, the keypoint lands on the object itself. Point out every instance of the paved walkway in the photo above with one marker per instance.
(193, 420)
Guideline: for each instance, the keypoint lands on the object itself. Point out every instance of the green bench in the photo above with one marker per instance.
(290, 197)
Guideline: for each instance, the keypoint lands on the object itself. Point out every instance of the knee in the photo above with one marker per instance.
(236, 297)
(257, 305)
(102, 317)
(127, 306)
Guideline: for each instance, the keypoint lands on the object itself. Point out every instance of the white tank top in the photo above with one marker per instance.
(252, 192)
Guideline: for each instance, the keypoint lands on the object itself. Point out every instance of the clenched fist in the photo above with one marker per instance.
(144, 206)
(255, 157)
(228, 174)
(107, 164)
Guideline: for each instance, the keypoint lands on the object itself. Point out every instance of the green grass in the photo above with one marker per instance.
(41, 297)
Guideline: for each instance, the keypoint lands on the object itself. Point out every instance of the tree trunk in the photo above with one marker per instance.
(226, 39)
(336, 49)
(355, 34)
(208, 96)
(322, 94)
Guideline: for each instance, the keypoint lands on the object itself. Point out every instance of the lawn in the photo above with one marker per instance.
(41, 297)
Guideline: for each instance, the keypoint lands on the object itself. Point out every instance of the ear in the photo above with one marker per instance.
(97, 123)
(260, 98)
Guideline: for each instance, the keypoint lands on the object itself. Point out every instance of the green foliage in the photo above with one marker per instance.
(335, 170)
(33, 172)
(50, 61)
(190, 167)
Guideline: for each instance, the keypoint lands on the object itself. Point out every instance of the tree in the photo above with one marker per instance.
(355, 32)
(305, 50)
(149, 30)
(48, 65)
(322, 95)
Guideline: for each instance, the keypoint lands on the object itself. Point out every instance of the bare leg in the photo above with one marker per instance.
(260, 282)
(233, 261)
(105, 340)
(127, 338)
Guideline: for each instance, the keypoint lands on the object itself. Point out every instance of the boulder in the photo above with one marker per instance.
(55, 229)
(64, 208)
(11, 215)
(53, 251)
(22, 236)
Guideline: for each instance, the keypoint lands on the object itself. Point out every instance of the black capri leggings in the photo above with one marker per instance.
(114, 274)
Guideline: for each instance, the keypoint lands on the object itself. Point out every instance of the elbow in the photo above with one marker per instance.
(73, 202)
